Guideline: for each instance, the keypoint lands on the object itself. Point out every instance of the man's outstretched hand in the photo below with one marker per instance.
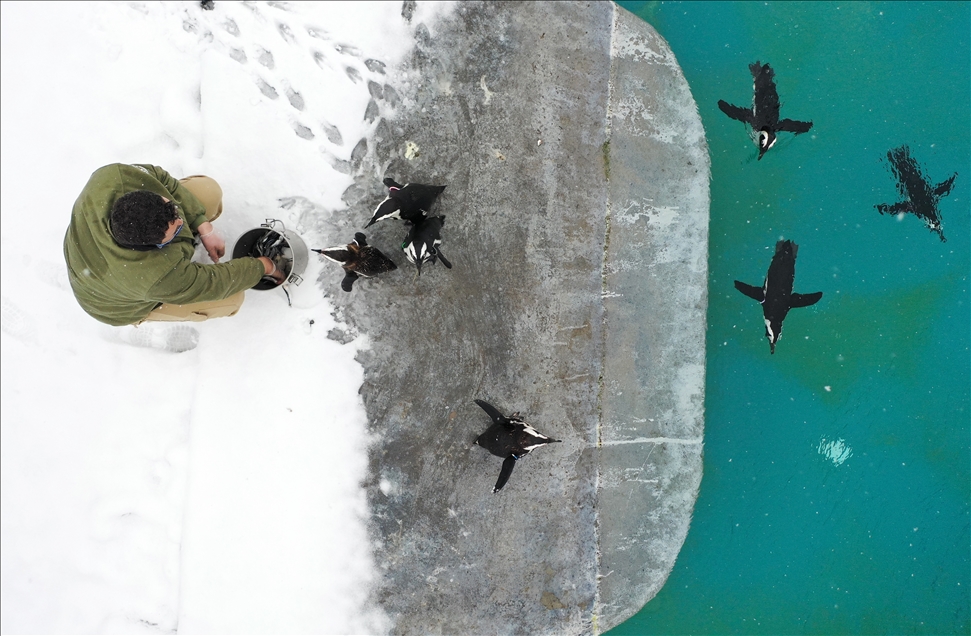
(215, 245)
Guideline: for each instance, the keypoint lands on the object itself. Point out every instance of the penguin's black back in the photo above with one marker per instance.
(427, 230)
(515, 438)
(782, 271)
(510, 435)
(372, 261)
(765, 101)
(499, 439)
(911, 182)
(358, 259)
(416, 197)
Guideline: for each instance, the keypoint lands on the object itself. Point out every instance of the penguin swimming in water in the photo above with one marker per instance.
(409, 202)
(920, 197)
(763, 116)
(510, 438)
(422, 242)
(776, 293)
(358, 259)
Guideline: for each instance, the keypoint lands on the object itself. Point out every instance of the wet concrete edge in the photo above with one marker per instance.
(656, 299)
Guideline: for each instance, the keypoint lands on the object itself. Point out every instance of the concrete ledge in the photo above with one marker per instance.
(577, 215)
(655, 298)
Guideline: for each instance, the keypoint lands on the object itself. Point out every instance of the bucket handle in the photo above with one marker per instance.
(270, 223)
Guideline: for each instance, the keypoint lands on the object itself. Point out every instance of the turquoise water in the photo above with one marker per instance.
(836, 491)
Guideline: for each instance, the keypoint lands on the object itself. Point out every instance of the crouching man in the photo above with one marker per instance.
(129, 250)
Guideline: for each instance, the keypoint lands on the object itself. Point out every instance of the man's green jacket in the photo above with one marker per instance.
(121, 286)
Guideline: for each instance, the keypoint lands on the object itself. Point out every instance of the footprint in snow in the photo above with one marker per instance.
(375, 66)
(332, 132)
(265, 88)
(16, 323)
(54, 274)
(302, 131)
(272, 85)
(316, 32)
(286, 33)
(295, 98)
(231, 27)
(265, 58)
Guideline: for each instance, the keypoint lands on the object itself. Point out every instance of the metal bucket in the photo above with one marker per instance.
(295, 252)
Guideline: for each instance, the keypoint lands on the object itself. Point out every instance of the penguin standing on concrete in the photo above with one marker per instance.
(763, 117)
(410, 202)
(510, 438)
(920, 196)
(358, 259)
(423, 242)
(776, 293)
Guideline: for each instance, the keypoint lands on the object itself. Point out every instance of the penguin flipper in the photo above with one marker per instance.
(804, 300)
(793, 126)
(896, 208)
(507, 466)
(491, 411)
(348, 283)
(755, 293)
(943, 188)
(444, 260)
(743, 115)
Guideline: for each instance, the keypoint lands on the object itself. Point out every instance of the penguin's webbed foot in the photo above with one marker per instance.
(348, 283)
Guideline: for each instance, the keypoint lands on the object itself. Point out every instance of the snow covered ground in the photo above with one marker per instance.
(216, 490)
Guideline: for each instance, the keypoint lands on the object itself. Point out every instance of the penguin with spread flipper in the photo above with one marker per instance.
(358, 259)
(763, 116)
(776, 294)
(410, 202)
(510, 438)
(920, 196)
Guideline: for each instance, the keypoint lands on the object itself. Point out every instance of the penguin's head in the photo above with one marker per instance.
(420, 250)
(413, 250)
(385, 211)
(767, 139)
(421, 244)
(773, 331)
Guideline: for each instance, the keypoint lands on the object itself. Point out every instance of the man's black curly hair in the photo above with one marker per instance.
(141, 218)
